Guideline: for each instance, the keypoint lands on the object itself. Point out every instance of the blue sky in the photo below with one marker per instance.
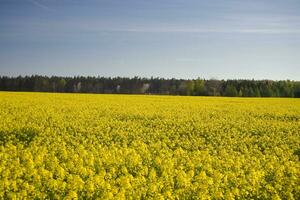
(221, 39)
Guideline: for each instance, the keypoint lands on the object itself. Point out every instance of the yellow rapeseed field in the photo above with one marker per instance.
(89, 146)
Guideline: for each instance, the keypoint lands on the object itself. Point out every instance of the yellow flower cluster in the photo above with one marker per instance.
(86, 146)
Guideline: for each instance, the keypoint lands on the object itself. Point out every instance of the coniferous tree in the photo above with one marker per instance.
(137, 85)
(230, 91)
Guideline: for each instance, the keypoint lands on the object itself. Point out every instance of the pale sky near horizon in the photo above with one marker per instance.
(223, 39)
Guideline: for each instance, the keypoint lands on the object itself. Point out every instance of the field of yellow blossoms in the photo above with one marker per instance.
(89, 146)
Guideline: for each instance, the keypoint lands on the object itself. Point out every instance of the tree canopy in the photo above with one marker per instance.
(138, 85)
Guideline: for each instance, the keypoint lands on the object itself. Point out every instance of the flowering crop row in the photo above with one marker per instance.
(68, 146)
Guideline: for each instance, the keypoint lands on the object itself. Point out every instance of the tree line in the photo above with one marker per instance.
(138, 85)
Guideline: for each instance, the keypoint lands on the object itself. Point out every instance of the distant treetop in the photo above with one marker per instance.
(137, 85)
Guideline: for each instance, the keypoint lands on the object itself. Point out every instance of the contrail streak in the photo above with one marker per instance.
(38, 4)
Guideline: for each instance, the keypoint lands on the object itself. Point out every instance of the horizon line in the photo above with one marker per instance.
(147, 77)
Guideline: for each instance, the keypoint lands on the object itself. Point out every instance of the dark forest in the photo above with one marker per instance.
(162, 86)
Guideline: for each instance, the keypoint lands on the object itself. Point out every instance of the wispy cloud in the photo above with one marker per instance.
(258, 31)
(192, 30)
(266, 28)
(187, 60)
(270, 31)
(82, 26)
(40, 5)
